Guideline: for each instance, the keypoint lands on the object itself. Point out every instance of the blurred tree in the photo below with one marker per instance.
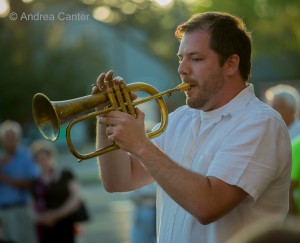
(274, 25)
(276, 34)
(53, 56)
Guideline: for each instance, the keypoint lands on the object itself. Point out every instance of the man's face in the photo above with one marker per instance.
(200, 67)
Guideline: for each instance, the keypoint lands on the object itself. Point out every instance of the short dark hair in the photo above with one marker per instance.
(228, 36)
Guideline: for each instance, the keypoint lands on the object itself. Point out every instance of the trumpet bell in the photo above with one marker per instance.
(45, 117)
(49, 115)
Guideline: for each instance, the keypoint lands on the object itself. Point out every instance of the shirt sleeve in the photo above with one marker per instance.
(252, 155)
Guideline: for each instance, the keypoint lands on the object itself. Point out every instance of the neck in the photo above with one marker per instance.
(230, 90)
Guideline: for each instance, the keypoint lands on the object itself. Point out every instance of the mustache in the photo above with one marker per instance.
(189, 81)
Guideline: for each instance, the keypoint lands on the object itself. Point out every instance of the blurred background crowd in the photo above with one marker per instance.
(62, 57)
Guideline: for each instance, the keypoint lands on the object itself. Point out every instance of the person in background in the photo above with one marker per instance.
(285, 99)
(55, 196)
(17, 172)
(224, 160)
(144, 214)
(295, 179)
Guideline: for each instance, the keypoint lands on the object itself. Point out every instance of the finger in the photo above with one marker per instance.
(109, 130)
(100, 79)
(108, 121)
(94, 89)
(111, 138)
(133, 96)
(109, 78)
(109, 75)
(117, 114)
(139, 114)
(118, 80)
(99, 83)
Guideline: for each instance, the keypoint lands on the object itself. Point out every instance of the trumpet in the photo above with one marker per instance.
(50, 115)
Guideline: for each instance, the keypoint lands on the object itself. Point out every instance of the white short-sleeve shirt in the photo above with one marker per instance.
(244, 143)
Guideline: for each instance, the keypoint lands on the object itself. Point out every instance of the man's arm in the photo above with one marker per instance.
(207, 198)
(118, 169)
(139, 161)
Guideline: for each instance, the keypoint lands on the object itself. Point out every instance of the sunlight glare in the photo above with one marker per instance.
(163, 2)
(4, 8)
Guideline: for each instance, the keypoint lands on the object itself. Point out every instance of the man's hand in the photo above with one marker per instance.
(104, 81)
(124, 130)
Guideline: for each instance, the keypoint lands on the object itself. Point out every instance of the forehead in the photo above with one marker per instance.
(195, 41)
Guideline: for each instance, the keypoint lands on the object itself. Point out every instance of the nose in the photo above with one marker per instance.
(183, 68)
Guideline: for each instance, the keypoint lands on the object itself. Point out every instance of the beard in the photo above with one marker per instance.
(202, 97)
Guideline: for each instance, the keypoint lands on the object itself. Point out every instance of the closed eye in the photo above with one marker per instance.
(196, 59)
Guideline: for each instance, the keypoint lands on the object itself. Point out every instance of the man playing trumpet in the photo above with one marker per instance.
(224, 160)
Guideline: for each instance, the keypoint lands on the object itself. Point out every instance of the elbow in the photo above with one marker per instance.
(108, 185)
(113, 187)
(205, 217)
(205, 220)
(109, 188)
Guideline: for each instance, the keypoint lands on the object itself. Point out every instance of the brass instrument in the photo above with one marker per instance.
(49, 115)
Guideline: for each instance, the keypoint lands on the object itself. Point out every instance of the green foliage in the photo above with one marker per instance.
(274, 25)
(61, 58)
(44, 56)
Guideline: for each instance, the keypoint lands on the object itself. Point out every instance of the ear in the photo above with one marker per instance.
(232, 64)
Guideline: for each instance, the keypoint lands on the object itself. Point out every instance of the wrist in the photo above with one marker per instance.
(142, 149)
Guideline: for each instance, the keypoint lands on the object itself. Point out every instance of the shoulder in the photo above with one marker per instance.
(258, 110)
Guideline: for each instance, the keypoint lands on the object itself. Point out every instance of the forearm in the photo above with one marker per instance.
(17, 183)
(204, 197)
(118, 170)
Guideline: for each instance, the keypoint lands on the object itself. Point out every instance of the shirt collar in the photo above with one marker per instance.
(237, 103)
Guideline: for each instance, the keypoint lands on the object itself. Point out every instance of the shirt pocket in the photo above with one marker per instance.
(201, 163)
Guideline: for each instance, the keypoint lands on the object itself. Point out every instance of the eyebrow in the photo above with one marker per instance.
(189, 54)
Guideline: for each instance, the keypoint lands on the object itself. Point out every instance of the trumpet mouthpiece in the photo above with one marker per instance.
(183, 87)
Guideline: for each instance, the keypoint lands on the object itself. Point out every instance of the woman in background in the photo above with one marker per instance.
(55, 197)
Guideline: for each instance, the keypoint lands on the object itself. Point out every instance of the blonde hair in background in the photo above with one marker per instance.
(43, 145)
